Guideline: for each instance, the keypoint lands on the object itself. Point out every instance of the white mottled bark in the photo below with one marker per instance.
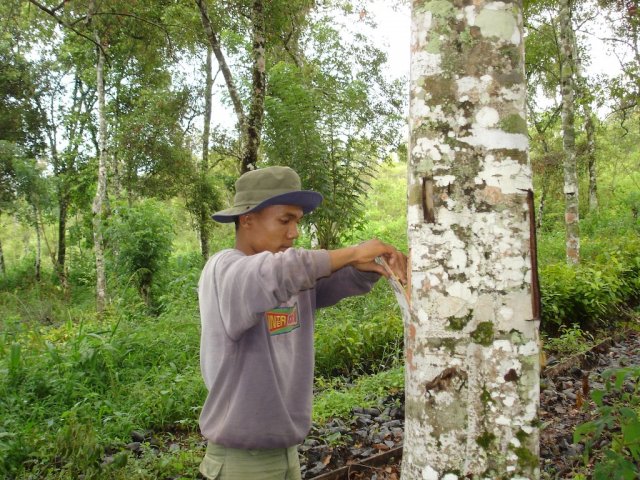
(100, 199)
(472, 351)
(567, 85)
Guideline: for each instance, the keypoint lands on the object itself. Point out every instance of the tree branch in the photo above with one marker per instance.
(224, 67)
(52, 12)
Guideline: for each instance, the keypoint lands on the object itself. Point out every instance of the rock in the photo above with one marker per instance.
(317, 469)
(135, 447)
(137, 436)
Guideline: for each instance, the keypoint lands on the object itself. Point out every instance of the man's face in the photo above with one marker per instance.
(272, 229)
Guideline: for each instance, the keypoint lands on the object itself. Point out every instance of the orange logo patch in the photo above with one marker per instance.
(282, 320)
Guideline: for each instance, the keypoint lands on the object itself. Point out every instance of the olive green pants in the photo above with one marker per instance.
(222, 463)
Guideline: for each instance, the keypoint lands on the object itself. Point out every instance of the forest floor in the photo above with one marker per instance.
(342, 448)
(367, 445)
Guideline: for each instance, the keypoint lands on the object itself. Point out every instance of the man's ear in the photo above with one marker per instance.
(245, 220)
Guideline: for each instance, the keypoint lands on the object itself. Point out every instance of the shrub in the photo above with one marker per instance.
(140, 241)
(359, 335)
(618, 422)
(589, 293)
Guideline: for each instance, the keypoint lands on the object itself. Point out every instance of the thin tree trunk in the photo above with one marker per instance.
(38, 261)
(567, 82)
(251, 127)
(3, 268)
(590, 130)
(472, 353)
(99, 201)
(63, 208)
(222, 62)
(256, 112)
(204, 167)
(589, 122)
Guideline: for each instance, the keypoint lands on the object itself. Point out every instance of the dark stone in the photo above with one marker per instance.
(317, 469)
(135, 447)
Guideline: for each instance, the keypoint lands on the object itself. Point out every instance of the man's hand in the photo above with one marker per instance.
(363, 258)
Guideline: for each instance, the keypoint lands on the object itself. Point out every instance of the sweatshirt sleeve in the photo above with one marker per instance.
(246, 286)
(346, 282)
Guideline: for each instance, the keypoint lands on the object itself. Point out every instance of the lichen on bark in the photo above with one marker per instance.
(472, 350)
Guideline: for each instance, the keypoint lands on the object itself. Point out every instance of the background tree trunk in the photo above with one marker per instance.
(472, 353)
(567, 85)
(590, 129)
(100, 199)
(256, 111)
(3, 268)
(38, 261)
(204, 167)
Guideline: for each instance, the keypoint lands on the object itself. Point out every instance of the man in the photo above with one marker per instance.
(257, 304)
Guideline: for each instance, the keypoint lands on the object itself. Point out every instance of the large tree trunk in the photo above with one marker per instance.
(567, 83)
(100, 200)
(472, 353)
(204, 167)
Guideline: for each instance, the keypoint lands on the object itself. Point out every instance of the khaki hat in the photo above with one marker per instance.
(268, 186)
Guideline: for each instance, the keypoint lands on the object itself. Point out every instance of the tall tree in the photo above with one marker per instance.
(332, 116)
(567, 82)
(472, 371)
(100, 200)
(272, 26)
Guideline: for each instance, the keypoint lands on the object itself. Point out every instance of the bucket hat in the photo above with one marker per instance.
(260, 188)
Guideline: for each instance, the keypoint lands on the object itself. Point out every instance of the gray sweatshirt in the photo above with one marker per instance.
(256, 348)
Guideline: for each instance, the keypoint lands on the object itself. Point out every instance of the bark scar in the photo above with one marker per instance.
(427, 200)
(536, 301)
(445, 380)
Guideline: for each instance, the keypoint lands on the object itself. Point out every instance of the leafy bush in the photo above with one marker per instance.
(618, 422)
(338, 400)
(140, 239)
(587, 294)
(360, 334)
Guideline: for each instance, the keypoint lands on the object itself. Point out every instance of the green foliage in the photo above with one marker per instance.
(140, 238)
(360, 334)
(337, 398)
(587, 294)
(618, 422)
(569, 341)
(332, 119)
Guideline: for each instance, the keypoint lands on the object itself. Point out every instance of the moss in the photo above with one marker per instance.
(522, 436)
(466, 38)
(514, 124)
(450, 344)
(485, 396)
(526, 459)
(458, 323)
(485, 440)
(483, 334)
